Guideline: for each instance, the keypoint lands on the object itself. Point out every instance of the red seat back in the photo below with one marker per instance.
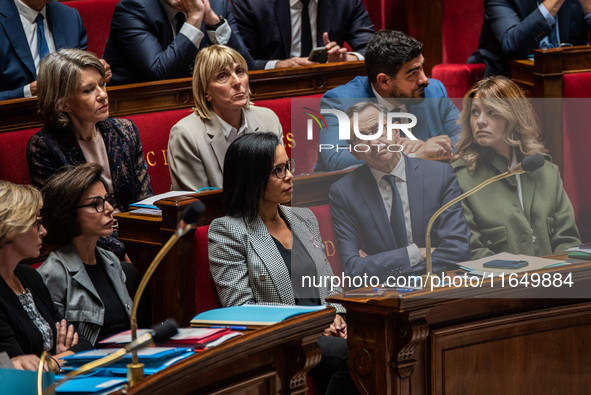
(96, 16)
(13, 156)
(293, 121)
(329, 237)
(576, 118)
(206, 296)
(154, 129)
(460, 29)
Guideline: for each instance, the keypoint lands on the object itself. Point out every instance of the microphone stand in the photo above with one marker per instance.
(428, 278)
(135, 370)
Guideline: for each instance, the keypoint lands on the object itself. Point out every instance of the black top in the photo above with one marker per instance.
(299, 264)
(18, 334)
(116, 319)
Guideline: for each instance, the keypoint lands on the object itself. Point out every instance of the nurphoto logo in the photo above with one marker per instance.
(402, 121)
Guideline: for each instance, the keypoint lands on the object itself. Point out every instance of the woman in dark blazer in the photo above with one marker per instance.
(86, 282)
(29, 321)
(261, 251)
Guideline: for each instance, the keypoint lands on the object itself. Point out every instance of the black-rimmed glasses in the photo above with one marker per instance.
(99, 202)
(280, 170)
(38, 223)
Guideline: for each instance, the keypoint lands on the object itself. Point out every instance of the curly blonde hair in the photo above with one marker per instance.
(508, 101)
(19, 205)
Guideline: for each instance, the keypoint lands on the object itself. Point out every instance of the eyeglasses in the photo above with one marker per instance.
(99, 202)
(38, 223)
(280, 171)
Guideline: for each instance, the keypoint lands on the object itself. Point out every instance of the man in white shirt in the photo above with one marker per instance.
(22, 23)
(275, 32)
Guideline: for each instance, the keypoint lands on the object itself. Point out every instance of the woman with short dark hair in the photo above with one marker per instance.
(261, 250)
(29, 321)
(86, 282)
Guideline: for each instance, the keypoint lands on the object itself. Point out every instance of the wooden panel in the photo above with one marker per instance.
(442, 341)
(154, 96)
(272, 360)
(520, 354)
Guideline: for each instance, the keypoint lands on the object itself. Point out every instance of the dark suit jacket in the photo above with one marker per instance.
(361, 223)
(512, 29)
(265, 26)
(17, 68)
(141, 45)
(18, 334)
(436, 115)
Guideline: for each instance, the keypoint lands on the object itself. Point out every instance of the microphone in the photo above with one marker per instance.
(529, 163)
(159, 333)
(191, 215)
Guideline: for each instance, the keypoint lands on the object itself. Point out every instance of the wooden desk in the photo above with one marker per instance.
(542, 78)
(174, 94)
(474, 340)
(272, 360)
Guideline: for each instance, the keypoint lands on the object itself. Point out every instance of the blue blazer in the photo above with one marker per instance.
(265, 26)
(361, 223)
(141, 46)
(17, 68)
(512, 29)
(436, 115)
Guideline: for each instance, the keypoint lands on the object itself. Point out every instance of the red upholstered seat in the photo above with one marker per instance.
(458, 77)
(206, 296)
(305, 152)
(13, 156)
(154, 128)
(576, 91)
(329, 237)
(460, 31)
(96, 16)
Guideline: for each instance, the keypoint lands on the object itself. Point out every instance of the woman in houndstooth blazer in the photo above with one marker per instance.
(260, 251)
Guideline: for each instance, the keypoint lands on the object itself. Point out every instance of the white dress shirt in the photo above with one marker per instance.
(295, 14)
(230, 132)
(28, 19)
(219, 36)
(414, 254)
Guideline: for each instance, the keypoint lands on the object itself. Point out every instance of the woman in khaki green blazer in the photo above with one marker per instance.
(524, 214)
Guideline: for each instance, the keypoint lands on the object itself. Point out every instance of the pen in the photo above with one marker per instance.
(233, 327)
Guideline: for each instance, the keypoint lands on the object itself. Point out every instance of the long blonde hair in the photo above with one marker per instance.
(508, 101)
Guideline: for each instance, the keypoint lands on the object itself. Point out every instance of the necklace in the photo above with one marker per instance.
(18, 287)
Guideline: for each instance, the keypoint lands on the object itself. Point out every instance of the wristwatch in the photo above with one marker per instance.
(215, 27)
